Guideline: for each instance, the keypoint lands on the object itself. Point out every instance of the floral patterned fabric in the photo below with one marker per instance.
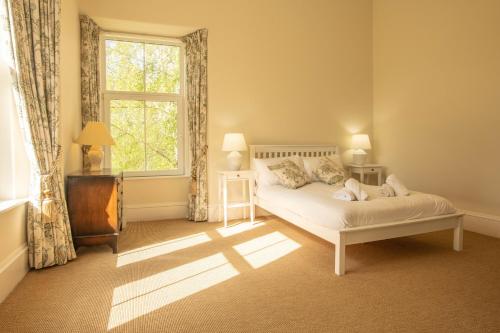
(33, 27)
(89, 56)
(289, 174)
(329, 172)
(197, 107)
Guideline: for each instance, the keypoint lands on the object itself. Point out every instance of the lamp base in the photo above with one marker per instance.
(359, 157)
(95, 155)
(234, 161)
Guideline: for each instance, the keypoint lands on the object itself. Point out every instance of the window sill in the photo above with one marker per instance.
(6, 205)
(133, 178)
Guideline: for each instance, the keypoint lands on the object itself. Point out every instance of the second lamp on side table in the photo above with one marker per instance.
(244, 176)
(367, 169)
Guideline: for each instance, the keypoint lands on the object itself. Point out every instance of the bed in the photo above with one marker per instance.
(313, 208)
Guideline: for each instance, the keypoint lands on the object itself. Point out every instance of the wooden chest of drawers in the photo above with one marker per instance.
(95, 207)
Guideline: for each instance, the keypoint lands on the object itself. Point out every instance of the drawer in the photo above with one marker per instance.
(92, 206)
(235, 175)
(367, 170)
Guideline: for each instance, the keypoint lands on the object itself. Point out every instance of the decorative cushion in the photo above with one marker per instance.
(312, 163)
(329, 172)
(266, 177)
(289, 174)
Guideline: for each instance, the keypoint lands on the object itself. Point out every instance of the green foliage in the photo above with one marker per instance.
(162, 68)
(161, 136)
(127, 128)
(139, 67)
(124, 66)
(145, 132)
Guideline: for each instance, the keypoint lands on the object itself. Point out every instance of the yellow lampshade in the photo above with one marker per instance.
(234, 142)
(95, 133)
(361, 141)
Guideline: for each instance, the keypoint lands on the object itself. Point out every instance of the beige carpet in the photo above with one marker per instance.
(176, 276)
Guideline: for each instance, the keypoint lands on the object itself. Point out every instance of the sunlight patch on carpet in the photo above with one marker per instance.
(144, 296)
(263, 250)
(238, 228)
(159, 249)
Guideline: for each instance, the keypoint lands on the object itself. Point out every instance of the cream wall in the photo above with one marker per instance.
(13, 249)
(12, 224)
(70, 84)
(281, 72)
(437, 97)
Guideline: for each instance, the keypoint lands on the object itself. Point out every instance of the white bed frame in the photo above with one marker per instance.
(342, 238)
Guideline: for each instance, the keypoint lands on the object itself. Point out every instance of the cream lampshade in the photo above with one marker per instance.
(95, 134)
(360, 143)
(234, 143)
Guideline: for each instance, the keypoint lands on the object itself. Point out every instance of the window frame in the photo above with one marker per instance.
(15, 165)
(180, 99)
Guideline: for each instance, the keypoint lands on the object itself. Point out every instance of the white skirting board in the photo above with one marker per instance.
(233, 213)
(482, 223)
(12, 271)
(174, 210)
(154, 211)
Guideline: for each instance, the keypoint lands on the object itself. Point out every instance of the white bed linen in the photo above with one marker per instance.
(315, 203)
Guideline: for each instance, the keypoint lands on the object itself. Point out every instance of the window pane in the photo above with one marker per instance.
(124, 66)
(127, 129)
(162, 68)
(161, 135)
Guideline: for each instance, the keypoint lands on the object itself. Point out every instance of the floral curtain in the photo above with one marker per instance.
(197, 101)
(33, 26)
(89, 52)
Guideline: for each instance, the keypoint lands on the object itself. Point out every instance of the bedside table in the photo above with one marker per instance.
(367, 169)
(243, 176)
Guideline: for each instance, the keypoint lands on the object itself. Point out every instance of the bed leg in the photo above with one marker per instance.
(340, 255)
(458, 235)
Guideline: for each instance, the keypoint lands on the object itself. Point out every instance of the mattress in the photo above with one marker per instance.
(315, 203)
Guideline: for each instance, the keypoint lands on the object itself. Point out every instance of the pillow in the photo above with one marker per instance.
(329, 172)
(266, 177)
(289, 174)
(312, 163)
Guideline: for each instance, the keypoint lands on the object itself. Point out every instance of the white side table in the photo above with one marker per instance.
(243, 176)
(367, 169)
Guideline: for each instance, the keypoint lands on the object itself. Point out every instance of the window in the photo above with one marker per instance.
(14, 163)
(144, 104)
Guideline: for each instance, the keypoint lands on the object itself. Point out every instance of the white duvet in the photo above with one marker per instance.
(315, 203)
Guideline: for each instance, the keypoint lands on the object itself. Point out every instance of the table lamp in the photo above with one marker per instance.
(360, 142)
(234, 143)
(95, 134)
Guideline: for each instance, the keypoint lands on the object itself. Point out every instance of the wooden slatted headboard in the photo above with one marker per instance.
(273, 151)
